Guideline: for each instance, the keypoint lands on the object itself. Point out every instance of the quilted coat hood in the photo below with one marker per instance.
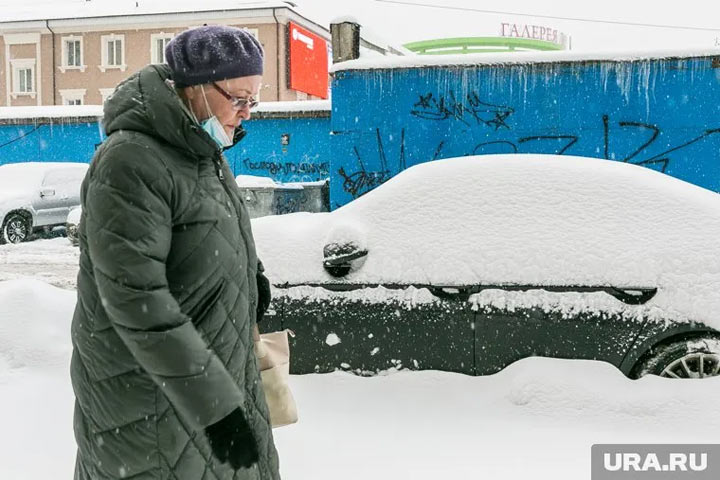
(146, 102)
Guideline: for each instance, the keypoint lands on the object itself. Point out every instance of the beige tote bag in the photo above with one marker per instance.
(273, 354)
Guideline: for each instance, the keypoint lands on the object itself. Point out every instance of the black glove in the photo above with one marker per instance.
(264, 295)
(232, 441)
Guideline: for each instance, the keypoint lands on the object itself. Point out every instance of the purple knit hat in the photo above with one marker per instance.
(211, 53)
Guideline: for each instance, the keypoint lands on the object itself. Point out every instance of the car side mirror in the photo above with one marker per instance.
(47, 192)
(337, 257)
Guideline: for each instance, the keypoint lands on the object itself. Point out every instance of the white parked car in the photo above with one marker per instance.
(36, 195)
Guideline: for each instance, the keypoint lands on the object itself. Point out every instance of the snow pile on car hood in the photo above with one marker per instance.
(519, 220)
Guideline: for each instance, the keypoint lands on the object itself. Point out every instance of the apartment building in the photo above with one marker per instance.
(78, 59)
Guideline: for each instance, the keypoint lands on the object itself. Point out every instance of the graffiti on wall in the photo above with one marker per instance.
(639, 151)
(363, 180)
(272, 166)
(464, 109)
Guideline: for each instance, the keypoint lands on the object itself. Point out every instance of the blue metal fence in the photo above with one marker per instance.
(660, 113)
(291, 149)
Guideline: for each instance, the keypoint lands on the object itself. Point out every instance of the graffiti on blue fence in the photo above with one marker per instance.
(363, 180)
(288, 168)
(441, 107)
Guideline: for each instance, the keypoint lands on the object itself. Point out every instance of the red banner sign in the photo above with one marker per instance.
(308, 61)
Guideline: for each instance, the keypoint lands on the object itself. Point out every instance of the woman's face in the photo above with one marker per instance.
(230, 117)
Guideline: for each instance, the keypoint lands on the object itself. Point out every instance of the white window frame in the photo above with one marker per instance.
(105, 93)
(73, 94)
(18, 64)
(153, 39)
(104, 40)
(64, 67)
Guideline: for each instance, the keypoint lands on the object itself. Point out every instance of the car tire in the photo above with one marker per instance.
(697, 357)
(15, 228)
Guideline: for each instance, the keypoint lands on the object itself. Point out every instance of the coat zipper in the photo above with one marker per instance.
(220, 174)
(217, 161)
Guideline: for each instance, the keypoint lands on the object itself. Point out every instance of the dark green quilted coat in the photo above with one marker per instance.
(166, 298)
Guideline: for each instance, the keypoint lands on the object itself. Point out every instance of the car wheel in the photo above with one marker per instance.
(15, 229)
(693, 358)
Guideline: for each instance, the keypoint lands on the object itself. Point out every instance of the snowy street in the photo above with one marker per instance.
(54, 261)
(538, 418)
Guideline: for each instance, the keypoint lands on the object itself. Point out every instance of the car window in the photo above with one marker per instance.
(63, 176)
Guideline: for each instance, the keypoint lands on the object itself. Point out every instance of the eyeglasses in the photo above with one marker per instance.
(237, 102)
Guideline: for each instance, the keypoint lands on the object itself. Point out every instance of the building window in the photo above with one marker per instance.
(158, 42)
(106, 93)
(25, 80)
(23, 70)
(113, 52)
(72, 54)
(73, 96)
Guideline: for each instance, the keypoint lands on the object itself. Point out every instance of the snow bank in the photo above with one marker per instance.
(538, 418)
(535, 220)
(34, 324)
(509, 58)
(254, 181)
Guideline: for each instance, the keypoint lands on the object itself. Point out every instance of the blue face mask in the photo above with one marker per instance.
(214, 128)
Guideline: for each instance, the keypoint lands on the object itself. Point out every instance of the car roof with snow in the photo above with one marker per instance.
(29, 174)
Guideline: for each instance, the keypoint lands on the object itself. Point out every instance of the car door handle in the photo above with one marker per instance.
(450, 293)
(48, 192)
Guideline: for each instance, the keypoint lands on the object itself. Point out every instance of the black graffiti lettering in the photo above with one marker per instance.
(663, 161)
(478, 148)
(430, 107)
(686, 144)
(287, 168)
(572, 140)
(362, 181)
(655, 133)
(438, 150)
(481, 111)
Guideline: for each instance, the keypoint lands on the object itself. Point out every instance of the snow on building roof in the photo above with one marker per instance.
(83, 111)
(50, 111)
(419, 61)
(294, 106)
(65, 9)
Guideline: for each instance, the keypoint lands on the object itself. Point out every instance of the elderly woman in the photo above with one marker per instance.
(165, 378)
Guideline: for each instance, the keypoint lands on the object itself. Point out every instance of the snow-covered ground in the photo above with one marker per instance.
(536, 419)
(54, 261)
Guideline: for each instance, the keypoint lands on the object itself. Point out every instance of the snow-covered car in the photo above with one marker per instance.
(470, 264)
(72, 224)
(37, 195)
